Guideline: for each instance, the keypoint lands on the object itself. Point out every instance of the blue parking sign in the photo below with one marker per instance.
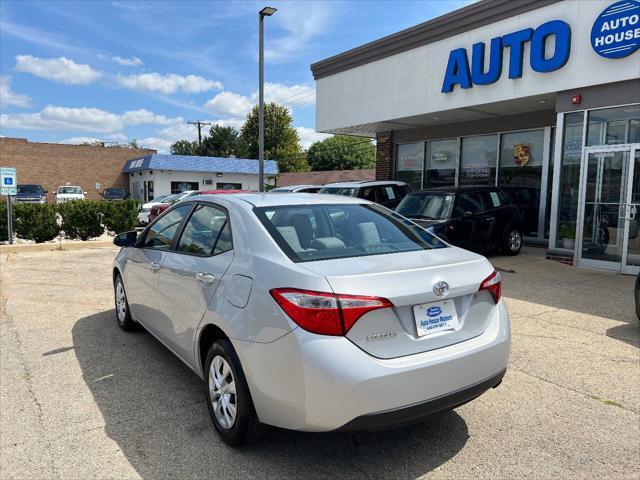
(8, 182)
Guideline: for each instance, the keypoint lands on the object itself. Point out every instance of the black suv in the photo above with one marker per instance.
(386, 193)
(477, 218)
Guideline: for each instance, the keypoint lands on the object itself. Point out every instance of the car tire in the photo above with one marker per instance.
(123, 314)
(512, 241)
(227, 392)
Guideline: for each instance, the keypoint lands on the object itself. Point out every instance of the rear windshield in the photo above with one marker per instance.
(34, 189)
(348, 192)
(114, 191)
(426, 206)
(322, 232)
(70, 190)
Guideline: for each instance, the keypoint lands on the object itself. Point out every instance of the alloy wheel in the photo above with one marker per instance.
(515, 241)
(121, 302)
(222, 391)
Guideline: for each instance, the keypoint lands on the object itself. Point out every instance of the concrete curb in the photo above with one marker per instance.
(47, 247)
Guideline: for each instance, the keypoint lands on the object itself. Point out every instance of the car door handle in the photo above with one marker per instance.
(489, 219)
(154, 266)
(205, 277)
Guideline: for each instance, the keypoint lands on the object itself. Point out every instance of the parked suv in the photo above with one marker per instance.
(477, 218)
(387, 193)
(69, 192)
(31, 194)
(111, 194)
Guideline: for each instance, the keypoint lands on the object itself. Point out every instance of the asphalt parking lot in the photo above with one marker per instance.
(81, 399)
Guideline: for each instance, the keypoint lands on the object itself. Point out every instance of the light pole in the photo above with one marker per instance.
(265, 12)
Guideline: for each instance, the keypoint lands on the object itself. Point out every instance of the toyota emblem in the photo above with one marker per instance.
(441, 289)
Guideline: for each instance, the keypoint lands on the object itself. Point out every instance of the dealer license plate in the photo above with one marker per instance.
(435, 317)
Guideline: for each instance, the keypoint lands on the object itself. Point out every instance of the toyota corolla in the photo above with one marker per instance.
(318, 313)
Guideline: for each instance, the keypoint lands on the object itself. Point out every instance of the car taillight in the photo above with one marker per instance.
(325, 313)
(493, 284)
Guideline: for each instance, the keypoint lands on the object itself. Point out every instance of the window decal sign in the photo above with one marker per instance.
(616, 31)
(522, 154)
(460, 72)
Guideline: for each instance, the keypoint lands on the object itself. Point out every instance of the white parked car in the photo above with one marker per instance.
(69, 192)
(313, 312)
(297, 189)
(145, 208)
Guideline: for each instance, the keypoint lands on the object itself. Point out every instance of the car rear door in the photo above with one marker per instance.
(467, 210)
(191, 274)
(143, 263)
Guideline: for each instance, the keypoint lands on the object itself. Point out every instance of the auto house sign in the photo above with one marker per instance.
(616, 31)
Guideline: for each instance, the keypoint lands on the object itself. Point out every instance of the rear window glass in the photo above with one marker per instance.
(349, 192)
(322, 232)
(426, 206)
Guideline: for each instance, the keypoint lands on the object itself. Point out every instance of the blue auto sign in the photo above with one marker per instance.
(616, 31)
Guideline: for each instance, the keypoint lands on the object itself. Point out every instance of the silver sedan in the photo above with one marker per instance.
(313, 312)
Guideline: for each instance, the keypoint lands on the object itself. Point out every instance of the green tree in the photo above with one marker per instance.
(184, 147)
(342, 152)
(281, 142)
(221, 142)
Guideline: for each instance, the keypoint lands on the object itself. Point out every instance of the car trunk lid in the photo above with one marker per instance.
(407, 279)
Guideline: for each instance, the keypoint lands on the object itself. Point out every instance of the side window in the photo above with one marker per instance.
(368, 193)
(400, 191)
(207, 227)
(492, 200)
(161, 233)
(386, 193)
(468, 202)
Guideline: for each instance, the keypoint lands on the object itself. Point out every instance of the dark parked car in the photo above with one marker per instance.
(477, 218)
(386, 193)
(114, 194)
(30, 194)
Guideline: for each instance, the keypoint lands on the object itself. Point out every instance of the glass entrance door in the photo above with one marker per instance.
(607, 229)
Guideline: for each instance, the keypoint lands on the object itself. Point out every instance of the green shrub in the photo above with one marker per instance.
(4, 228)
(120, 216)
(81, 219)
(35, 221)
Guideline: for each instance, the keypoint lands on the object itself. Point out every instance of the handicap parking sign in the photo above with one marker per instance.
(8, 182)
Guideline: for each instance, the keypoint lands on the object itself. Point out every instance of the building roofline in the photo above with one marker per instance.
(459, 21)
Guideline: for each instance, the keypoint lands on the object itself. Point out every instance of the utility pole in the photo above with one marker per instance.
(265, 12)
(199, 124)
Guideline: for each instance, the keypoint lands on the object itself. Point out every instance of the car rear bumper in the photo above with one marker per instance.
(313, 382)
(420, 411)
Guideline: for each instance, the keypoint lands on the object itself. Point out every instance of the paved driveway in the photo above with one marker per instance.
(81, 399)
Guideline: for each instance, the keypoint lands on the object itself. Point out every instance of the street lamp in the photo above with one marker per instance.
(265, 12)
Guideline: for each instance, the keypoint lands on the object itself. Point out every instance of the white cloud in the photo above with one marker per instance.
(159, 144)
(112, 137)
(62, 69)
(10, 98)
(309, 135)
(185, 131)
(233, 104)
(229, 103)
(170, 83)
(127, 62)
(82, 119)
(302, 21)
(79, 140)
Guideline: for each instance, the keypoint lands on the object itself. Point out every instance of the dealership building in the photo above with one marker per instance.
(539, 97)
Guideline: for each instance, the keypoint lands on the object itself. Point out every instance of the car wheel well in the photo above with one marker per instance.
(209, 334)
(116, 272)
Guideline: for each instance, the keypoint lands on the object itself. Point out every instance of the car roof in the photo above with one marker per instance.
(363, 183)
(293, 187)
(458, 189)
(266, 200)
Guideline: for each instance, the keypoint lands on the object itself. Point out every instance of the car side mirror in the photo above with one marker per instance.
(84, 193)
(126, 239)
(467, 214)
(45, 191)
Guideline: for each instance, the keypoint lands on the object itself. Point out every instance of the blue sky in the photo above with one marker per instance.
(118, 70)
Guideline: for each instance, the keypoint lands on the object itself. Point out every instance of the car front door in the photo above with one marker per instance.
(466, 211)
(190, 275)
(143, 263)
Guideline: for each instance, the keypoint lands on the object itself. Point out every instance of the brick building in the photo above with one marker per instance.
(93, 168)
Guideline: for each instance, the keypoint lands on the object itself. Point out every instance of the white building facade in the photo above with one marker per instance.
(158, 174)
(540, 97)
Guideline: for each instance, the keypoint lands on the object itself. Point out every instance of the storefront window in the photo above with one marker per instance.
(569, 180)
(442, 161)
(520, 176)
(479, 160)
(410, 163)
(612, 126)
